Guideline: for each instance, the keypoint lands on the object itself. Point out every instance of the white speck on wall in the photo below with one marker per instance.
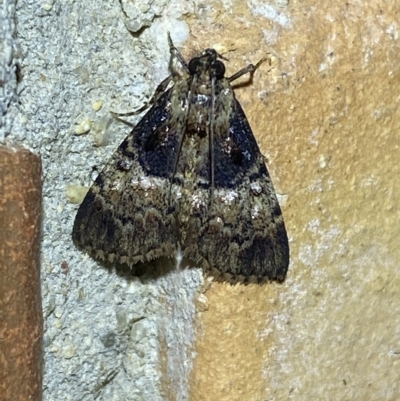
(270, 12)
(270, 36)
(314, 136)
(314, 225)
(323, 67)
(392, 31)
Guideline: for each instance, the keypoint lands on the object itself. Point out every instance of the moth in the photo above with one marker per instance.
(189, 179)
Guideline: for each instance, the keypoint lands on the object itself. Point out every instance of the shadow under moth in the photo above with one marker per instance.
(189, 179)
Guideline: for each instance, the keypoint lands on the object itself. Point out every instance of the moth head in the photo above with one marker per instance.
(207, 65)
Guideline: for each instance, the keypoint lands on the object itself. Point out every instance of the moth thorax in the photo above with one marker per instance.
(204, 89)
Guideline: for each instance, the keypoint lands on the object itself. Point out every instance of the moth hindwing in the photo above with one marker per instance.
(189, 178)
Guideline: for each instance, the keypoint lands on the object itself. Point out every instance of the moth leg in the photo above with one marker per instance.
(121, 120)
(157, 94)
(246, 70)
(161, 88)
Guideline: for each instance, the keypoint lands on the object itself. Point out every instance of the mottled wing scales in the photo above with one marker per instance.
(243, 235)
(126, 217)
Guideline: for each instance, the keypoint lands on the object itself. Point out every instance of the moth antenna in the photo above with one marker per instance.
(211, 140)
(176, 160)
(174, 52)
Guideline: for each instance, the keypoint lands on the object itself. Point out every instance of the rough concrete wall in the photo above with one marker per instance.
(10, 54)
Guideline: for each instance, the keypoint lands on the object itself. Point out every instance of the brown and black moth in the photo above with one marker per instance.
(189, 179)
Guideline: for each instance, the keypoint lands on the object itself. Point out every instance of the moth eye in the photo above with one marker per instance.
(194, 65)
(219, 69)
